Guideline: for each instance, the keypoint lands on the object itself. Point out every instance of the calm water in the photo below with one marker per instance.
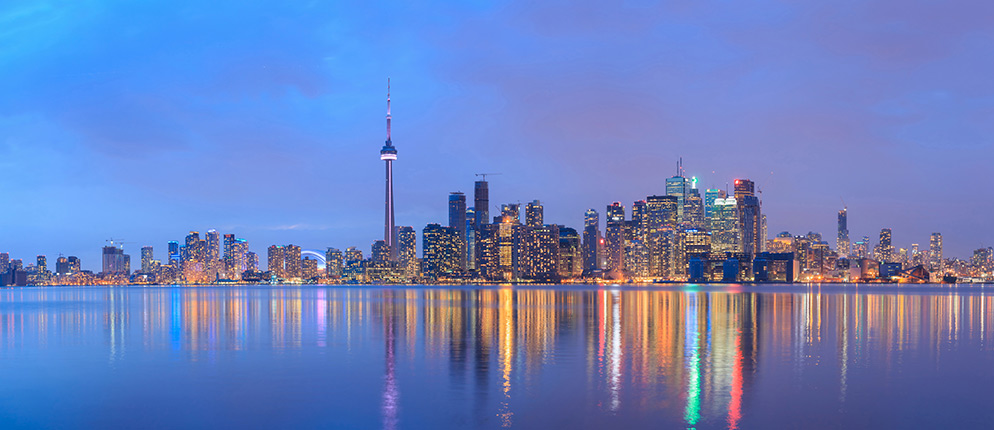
(670, 357)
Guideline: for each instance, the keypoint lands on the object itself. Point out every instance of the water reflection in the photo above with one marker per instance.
(591, 357)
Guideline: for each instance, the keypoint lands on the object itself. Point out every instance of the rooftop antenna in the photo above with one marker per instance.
(484, 175)
(388, 110)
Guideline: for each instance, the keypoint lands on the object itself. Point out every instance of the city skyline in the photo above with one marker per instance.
(268, 135)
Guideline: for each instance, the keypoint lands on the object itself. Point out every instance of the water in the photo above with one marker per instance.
(662, 357)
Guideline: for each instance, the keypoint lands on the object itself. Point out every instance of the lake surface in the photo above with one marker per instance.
(789, 356)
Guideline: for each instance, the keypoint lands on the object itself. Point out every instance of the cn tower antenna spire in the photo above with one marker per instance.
(388, 110)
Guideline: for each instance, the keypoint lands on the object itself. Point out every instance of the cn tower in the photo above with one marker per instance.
(388, 154)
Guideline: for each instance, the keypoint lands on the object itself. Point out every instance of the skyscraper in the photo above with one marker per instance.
(935, 253)
(533, 214)
(677, 187)
(615, 237)
(440, 252)
(481, 202)
(389, 154)
(146, 259)
(408, 256)
(842, 242)
(884, 248)
(750, 216)
(275, 261)
(333, 263)
(591, 235)
(457, 220)
(173, 247)
(709, 197)
(725, 236)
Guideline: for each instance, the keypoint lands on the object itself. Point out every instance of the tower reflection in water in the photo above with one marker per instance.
(677, 355)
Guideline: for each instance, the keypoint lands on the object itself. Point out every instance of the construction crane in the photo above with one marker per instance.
(484, 175)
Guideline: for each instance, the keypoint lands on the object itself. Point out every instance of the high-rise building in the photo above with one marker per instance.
(709, 197)
(533, 214)
(333, 263)
(115, 261)
(173, 247)
(471, 240)
(725, 236)
(511, 213)
(380, 252)
(935, 253)
(677, 187)
(213, 253)
(4, 262)
(251, 261)
(408, 257)
(481, 202)
(61, 266)
(457, 220)
(885, 249)
(539, 248)
(292, 261)
(41, 264)
(440, 251)
(693, 207)
(276, 261)
(389, 154)
(750, 216)
(74, 266)
(842, 241)
(353, 270)
(570, 255)
(615, 237)
(147, 259)
(591, 236)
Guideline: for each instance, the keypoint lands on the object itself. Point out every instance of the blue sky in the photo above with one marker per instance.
(144, 120)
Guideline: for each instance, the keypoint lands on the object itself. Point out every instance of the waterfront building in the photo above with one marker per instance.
(884, 249)
(213, 253)
(276, 259)
(353, 270)
(539, 247)
(292, 262)
(591, 237)
(614, 235)
(481, 202)
(308, 268)
(842, 239)
(571, 258)
(115, 261)
(470, 238)
(333, 263)
(725, 236)
(147, 259)
(750, 216)
(457, 220)
(173, 248)
(935, 253)
(440, 251)
(408, 253)
(693, 207)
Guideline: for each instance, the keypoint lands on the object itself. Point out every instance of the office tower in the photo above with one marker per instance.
(539, 248)
(885, 248)
(4, 262)
(677, 187)
(408, 256)
(498, 248)
(333, 263)
(457, 220)
(693, 207)
(697, 244)
(662, 212)
(571, 257)
(511, 213)
(353, 270)
(228, 259)
(615, 237)
(750, 216)
(115, 262)
(764, 233)
(935, 253)
(173, 247)
(709, 197)
(41, 264)
(276, 261)
(251, 261)
(389, 154)
(147, 259)
(481, 202)
(440, 251)
(640, 219)
(292, 261)
(533, 214)
(591, 235)
(842, 240)
(16, 264)
(725, 236)
(470, 240)
(661, 216)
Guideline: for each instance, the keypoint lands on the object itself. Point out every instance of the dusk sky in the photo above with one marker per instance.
(145, 120)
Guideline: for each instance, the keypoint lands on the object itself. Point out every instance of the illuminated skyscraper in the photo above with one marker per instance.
(389, 154)
(481, 202)
(440, 251)
(615, 237)
(693, 207)
(534, 214)
(213, 253)
(333, 263)
(591, 235)
(570, 258)
(677, 187)
(173, 247)
(4, 262)
(540, 252)
(709, 197)
(115, 261)
(471, 240)
(935, 253)
(251, 261)
(511, 213)
(275, 261)
(750, 216)
(725, 234)
(353, 270)
(885, 249)
(842, 241)
(408, 257)
(147, 259)
(457, 220)
(292, 261)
